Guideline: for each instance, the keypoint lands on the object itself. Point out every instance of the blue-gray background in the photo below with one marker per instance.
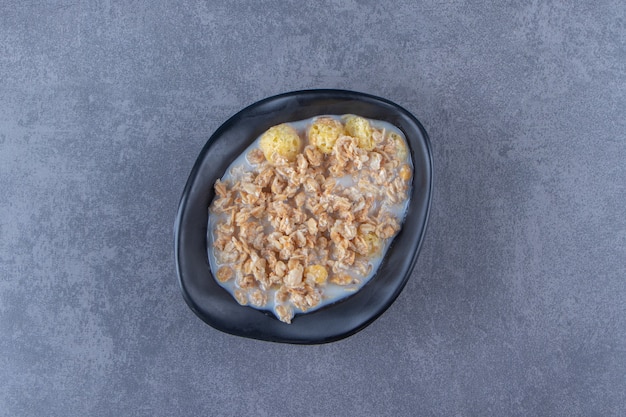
(517, 305)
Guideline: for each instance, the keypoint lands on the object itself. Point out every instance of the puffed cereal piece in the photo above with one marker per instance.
(360, 128)
(316, 274)
(324, 132)
(280, 141)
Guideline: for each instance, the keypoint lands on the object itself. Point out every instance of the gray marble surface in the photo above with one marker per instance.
(517, 305)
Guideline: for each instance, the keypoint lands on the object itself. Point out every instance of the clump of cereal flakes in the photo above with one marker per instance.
(307, 217)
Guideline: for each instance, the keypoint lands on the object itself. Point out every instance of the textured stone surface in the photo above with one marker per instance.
(517, 305)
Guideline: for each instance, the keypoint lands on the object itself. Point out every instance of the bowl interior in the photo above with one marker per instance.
(215, 305)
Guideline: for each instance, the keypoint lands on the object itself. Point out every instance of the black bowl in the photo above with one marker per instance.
(215, 305)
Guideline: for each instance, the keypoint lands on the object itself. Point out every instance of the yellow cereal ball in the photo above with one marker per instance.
(360, 128)
(374, 244)
(342, 279)
(280, 141)
(324, 132)
(401, 149)
(405, 172)
(317, 273)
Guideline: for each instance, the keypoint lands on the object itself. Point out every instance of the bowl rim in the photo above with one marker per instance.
(184, 201)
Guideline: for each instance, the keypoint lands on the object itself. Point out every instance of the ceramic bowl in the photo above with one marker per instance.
(215, 305)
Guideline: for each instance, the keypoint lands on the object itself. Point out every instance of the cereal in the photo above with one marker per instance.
(360, 128)
(284, 313)
(281, 141)
(405, 172)
(342, 279)
(224, 274)
(316, 274)
(258, 298)
(324, 132)
(305, 215)
(397, 146)
(241, 296)
(373, 242)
